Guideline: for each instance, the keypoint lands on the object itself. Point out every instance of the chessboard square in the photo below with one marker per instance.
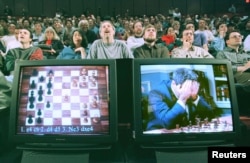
(66, 79)
(42, 73)
(57, 113)
(48, 121)
(92, 73)
(57, 86)
(66, 106)
(66, 121)
(42, 85)
(31, 107)
(84, 92)
(58, 73)
(32, 121)
(75, 113)
(66, 92)
(57, 99)
(85, 121)
(75, 106)
(35, 79)
(74, 73)
(94, 113)
(75, 99)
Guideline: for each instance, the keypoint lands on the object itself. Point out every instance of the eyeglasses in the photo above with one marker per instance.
(237, 36)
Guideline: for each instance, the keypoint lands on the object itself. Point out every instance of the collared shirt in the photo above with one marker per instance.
(236, 58)
(193, 52)
(155, 51)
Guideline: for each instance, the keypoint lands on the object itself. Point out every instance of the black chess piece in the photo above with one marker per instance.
(34, 72)
(30, 120)
(33, 84)
(40, 91)
(49, 85)
(41, 79)
(31, 98)
(31, 106)
(39, 113)
(48, 104)
(40, 98)
(39, 120)
(49, 91)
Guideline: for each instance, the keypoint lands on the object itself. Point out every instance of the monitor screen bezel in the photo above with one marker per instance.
(178, 139)
(93, 139)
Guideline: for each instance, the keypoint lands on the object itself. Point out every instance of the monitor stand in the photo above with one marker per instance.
(54, 157)
(180, 156)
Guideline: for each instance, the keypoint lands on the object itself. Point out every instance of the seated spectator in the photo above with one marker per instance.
(53, 43)
(25, 52)
(108, 47)
(77, 47)
(84, 26)
(169, 38)
(240, 66)
(38, 34)
(150, 49)
(218, 43)
(200, 39)
(136, 40)
(188, 50)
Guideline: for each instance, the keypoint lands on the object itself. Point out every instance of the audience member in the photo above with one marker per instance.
(136, 40)
(38, 34)
(107, 47)
(241, 68)
(25, 52)
(68, 32)
(53, 44)
(77, 48)
(188, 50)
(84, 26)
(203, 28)
(218, 42)
(200, 39)
(150, 49)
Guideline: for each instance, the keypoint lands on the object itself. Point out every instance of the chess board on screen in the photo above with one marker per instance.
(62, 100)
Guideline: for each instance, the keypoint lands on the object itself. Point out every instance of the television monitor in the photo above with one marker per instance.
(162, 121)
(64, 104)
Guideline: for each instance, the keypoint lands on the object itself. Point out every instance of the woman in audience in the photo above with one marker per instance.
(77, 48)
(51, 44)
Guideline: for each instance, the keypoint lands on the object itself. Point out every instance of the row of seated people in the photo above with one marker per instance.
(144, 43)
(209, 31)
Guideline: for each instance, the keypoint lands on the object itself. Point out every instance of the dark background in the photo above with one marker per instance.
(115, 7)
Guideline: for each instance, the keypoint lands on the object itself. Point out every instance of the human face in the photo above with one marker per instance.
(24, 36)
(150, 34)
(138, 29)
(190, 26)
(77, 38)
(235, 39)
(171, 31)
(223, 27)
(202, 24)
(107, 30)
(49, 34)
(188, 36)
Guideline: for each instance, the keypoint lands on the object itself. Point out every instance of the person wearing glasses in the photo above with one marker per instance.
(188, 50)
(240, 61)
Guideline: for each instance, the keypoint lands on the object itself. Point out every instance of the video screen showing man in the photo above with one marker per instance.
(178, 102)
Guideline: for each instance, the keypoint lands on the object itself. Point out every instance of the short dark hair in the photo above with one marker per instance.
(180, 75)
(229, 33)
